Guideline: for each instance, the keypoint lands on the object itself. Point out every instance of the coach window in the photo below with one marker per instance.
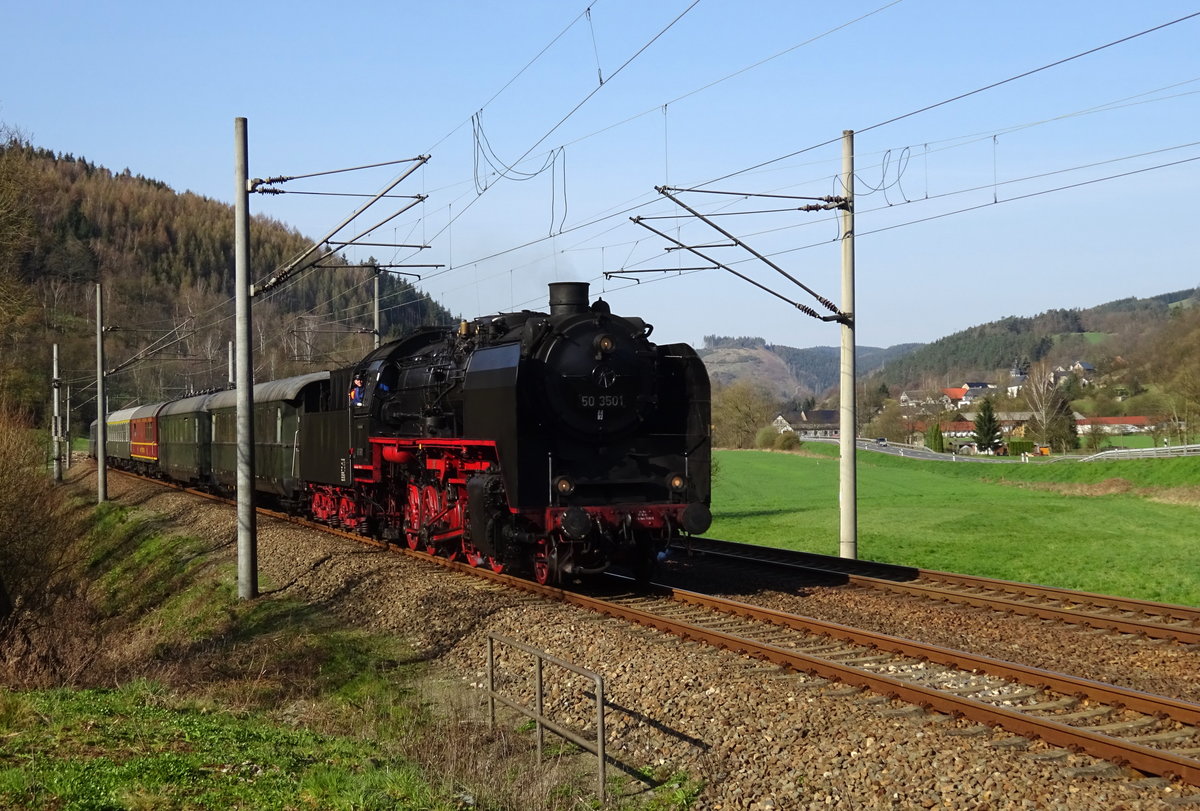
(279, 425)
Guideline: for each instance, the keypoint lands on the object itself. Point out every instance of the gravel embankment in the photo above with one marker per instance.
(757, 739)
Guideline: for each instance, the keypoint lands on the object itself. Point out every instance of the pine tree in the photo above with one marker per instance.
(934, 440)
(987, 428)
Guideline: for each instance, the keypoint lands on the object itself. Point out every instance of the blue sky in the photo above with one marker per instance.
(997, 204)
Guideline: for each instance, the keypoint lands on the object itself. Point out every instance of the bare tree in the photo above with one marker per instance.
(738, 411)
(16, 203)
(1040, 392)
(891, 422)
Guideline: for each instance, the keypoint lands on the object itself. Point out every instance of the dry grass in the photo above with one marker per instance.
(1108, 487)
(38, 527)
(498, 763)
(1186, 496)
(1189, 496)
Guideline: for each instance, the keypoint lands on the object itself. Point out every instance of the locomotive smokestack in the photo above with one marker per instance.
(567, 298)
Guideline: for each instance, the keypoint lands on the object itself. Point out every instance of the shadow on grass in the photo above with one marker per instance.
(724, 515)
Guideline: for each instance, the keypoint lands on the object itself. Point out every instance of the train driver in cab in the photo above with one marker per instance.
(356, 391)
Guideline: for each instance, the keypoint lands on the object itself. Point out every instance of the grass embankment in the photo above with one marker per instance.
(1124, 528)
(264, 704)
(258, 704)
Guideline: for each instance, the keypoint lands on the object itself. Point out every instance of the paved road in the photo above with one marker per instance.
(911, 452)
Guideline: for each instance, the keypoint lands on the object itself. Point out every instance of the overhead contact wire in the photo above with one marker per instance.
(960, 96)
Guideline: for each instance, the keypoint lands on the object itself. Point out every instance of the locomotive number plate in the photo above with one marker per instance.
(602, 401)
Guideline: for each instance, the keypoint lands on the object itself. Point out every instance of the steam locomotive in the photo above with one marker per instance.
(552, 444)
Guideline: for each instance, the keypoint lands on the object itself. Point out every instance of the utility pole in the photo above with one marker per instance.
(847, 479)
(67, 431)
(844, 315)
(378, 273)
(56, 430)
(101, 417)
(247, 537)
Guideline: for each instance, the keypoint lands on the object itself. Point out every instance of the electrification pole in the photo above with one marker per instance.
(247, 539)
(378, 272)
(101, 417)
(67, 431)
(56, 431)
(848, 486)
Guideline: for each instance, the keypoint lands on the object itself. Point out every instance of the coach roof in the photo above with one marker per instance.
(271, 391)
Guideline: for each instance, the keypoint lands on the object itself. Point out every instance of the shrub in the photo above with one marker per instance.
(788, 441)
(765, 438)
(37, 534)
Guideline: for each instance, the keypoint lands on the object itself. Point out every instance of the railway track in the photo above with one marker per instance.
(1120, 615)
(1152, 734)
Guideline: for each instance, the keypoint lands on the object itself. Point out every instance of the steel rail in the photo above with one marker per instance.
(1184, 711)
(1137, 756)
(1154, 628)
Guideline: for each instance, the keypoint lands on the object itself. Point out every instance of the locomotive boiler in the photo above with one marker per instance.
(557, 442)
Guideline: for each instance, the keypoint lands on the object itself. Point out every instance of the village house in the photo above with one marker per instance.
(920, 398)
(812, 422)
(954, 396)
(1012, 423)
(975, 391)
(1082, 370)
(1113, 425)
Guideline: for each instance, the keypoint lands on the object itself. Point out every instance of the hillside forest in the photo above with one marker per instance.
(165, 261)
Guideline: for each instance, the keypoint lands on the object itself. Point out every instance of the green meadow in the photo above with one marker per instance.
(1129, 528)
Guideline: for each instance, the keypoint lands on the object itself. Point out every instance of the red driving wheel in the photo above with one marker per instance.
(541, 562)
(412, 518)
(431, 508)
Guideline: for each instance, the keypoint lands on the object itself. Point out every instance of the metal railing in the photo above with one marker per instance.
(1145, 453)
(536, 712)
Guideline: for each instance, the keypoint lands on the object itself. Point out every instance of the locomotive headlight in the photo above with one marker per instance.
(677, 482)
(564, 486)
(604, 344)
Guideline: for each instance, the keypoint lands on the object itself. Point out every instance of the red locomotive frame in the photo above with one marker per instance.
(428, 504)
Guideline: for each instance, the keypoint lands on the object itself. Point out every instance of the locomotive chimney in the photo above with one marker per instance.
(567, 298)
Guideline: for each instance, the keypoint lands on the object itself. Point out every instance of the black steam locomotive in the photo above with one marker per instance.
(547, 443)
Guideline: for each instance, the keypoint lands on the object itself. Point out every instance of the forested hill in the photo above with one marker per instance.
(166, 260)
(1131, 334)
(786, 370)
(1097, 335)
